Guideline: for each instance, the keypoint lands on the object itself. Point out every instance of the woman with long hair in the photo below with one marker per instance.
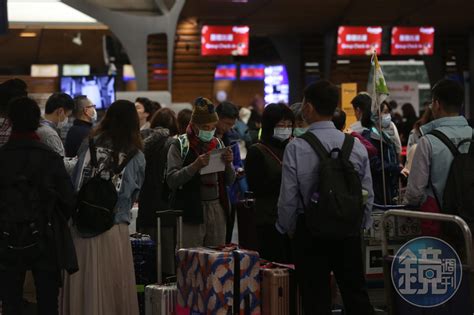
(105, 283)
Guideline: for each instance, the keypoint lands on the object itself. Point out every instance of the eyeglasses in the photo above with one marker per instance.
(90, 106)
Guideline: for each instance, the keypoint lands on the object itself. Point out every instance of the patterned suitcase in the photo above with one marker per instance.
(144, 261)
(160, 299)
(210, 281)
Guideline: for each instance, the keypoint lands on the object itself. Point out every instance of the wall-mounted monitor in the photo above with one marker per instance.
(225, 40)
(359, 40)
(412, 40)
(226, 72)
(99, 89)
(48, 71)
(76, 70)
(252, 72)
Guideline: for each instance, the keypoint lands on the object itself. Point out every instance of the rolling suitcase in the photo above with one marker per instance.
(218, 281)
(144, 260)
(160, 299)
(279, 291)
(275, 291)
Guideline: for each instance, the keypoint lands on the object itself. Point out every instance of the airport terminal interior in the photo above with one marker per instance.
(245, 157)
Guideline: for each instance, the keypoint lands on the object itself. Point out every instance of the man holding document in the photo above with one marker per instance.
(199, 169)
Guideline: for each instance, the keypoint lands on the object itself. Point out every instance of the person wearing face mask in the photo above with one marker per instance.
(85, 115)
(263, 168)
(203, 198)
(301, 126)
(58, 108)
(389, 127)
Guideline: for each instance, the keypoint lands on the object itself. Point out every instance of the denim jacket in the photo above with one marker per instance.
(433, 159)
(132, 178)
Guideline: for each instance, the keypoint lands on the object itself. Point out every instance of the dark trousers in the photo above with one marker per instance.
(47, 290)
(273, 245)
(316, 258)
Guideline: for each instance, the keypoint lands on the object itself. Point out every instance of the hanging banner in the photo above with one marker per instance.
(348, 92)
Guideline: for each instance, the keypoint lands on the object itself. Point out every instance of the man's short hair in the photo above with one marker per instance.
(339, 119)
(450, 94)
(227, 110)
(323, 95)
(59, 100)
(80, 103)
(24, 114)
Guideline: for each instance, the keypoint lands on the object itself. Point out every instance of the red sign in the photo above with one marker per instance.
(252, 72)
(225, 40)
(412, 40)
(359, 40)
(226, 72)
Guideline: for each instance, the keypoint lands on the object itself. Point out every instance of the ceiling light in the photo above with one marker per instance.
(28, 34)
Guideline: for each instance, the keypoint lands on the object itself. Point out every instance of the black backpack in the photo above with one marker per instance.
(97, 199)
(339, 210)
(25, 210)
(458, 195)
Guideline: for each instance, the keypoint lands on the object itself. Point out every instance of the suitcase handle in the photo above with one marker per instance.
(179, 239)
(170, 212)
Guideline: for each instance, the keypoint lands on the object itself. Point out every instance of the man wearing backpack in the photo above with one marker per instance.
(321, 204)
(429, 183)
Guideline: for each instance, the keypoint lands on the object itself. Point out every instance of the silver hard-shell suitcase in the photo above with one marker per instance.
(160, 299)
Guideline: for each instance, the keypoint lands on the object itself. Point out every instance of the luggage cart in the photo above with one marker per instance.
(467, 286)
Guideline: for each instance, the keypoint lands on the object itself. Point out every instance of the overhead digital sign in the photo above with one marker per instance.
(226, 72)
(412, 40)
(225, 40)
(359, 40)
(252, 72)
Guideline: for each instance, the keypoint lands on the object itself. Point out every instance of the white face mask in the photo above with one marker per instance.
(386, 120)
(63, 123)
(282, 134)
(94, 116)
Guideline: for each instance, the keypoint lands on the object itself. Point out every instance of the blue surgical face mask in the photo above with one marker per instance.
(206, 136)
(299, 131)
(386, 120)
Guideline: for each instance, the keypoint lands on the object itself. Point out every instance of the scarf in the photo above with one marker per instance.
(24, 136)
(197, 145)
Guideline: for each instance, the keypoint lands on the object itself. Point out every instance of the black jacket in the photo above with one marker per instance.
(154, 194)
(263, 171)
(59, 252)
(79, 131)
